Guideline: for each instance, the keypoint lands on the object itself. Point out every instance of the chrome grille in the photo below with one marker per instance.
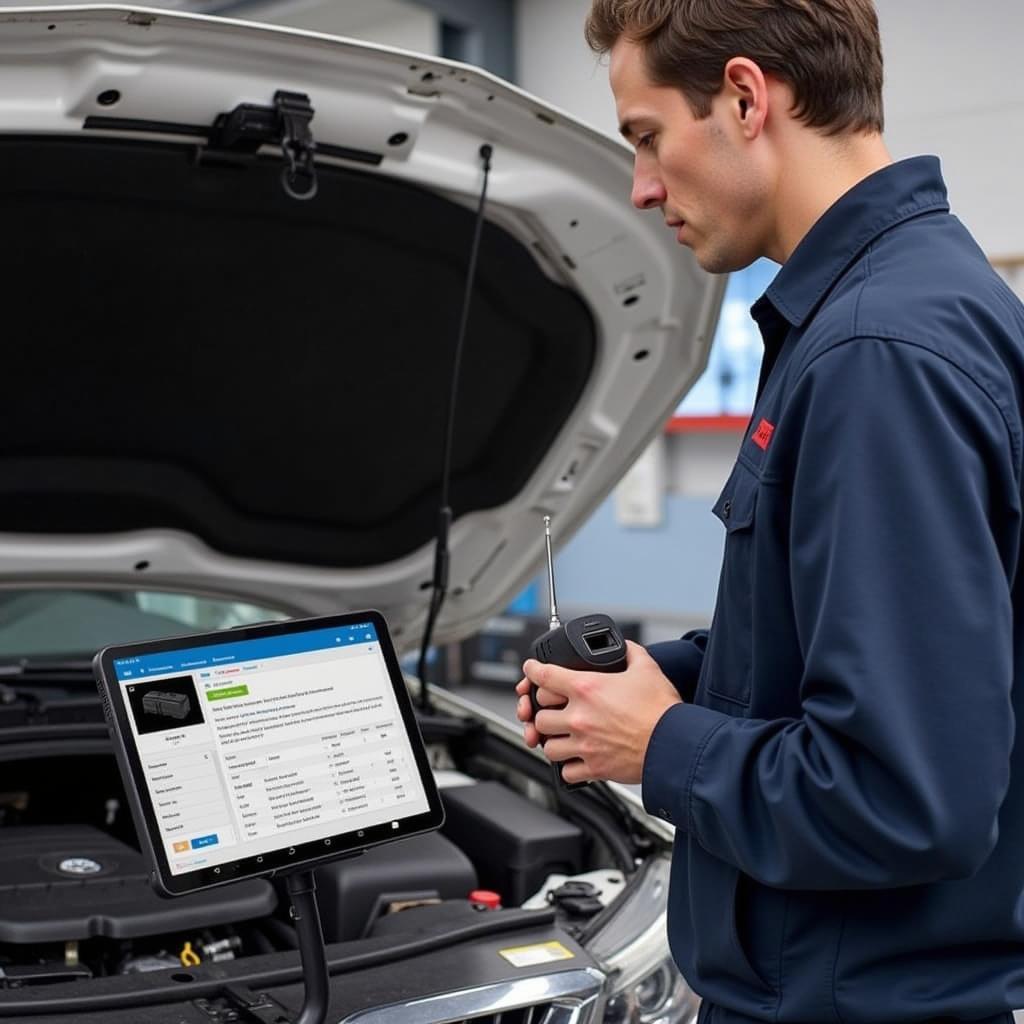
(522, 1015)
(568, 997)
(537, 1014)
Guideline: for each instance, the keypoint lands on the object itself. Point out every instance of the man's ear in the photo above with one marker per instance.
(746, 91)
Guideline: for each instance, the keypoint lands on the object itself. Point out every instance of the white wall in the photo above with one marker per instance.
(954, 86)
(555, 63)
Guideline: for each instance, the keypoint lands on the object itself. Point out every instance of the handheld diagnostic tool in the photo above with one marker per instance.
(590, 643)
(266, 749)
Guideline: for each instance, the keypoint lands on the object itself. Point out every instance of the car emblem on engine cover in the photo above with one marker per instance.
(79, 866)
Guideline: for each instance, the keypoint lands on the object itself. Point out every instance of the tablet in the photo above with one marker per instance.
(258, 750)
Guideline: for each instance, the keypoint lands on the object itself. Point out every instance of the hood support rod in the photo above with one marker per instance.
(439, 583)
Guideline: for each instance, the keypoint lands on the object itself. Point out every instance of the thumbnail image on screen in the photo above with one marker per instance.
(167, 704)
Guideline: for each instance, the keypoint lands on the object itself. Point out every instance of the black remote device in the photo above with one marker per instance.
(590, 643)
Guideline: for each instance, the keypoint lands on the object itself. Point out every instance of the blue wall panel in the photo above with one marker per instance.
(671, 570)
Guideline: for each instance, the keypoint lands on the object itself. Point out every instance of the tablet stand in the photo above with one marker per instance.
(301, 886)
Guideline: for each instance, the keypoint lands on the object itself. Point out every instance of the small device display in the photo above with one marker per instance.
(266, 748)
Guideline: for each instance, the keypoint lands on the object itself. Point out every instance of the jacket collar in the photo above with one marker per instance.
(884, 199)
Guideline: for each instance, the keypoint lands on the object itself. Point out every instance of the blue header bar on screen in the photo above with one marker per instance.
(215, 655)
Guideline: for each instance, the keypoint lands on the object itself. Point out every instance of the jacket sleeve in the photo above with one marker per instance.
(681, 660)
(903, 535)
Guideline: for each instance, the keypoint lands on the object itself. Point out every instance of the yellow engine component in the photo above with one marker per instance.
(188, 956)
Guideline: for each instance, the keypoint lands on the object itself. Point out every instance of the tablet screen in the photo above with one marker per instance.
(288, 742)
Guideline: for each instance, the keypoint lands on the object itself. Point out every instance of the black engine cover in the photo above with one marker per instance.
(59, 883)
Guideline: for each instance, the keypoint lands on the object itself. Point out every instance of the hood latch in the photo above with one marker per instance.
(286, 124)
(299, 176)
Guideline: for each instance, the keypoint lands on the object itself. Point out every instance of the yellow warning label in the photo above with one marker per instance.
(541, 953)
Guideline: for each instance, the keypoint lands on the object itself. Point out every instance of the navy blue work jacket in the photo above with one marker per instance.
(848, 798)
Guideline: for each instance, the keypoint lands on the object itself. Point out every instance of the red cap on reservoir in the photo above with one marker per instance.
(486, 898)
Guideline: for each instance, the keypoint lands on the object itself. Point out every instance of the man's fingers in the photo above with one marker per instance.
(523, 687)
(576, 771)
(636, 654)
(549, 699)
(550, 677)
(560, 748)
(551, 722)
(531, 736)
(524, 709)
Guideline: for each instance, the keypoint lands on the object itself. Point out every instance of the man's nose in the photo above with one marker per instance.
(648, 191)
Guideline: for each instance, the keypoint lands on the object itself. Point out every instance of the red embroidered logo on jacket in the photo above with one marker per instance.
(763, 435)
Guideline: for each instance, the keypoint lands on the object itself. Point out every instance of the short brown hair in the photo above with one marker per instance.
(827, 51)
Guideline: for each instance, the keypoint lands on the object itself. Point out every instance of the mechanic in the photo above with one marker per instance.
(837, 753)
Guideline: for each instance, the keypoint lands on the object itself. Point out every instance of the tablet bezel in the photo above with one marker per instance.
(286, 858)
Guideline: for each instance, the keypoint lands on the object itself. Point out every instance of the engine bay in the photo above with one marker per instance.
(76, 902)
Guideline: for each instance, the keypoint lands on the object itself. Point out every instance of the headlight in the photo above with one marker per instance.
(662, 997)
(645, 987)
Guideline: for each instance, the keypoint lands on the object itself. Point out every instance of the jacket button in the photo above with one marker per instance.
(664, 814)
(726, 509)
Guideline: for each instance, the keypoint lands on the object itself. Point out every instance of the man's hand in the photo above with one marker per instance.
(600, 722)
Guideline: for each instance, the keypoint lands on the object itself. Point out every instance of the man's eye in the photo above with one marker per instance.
(645, 141)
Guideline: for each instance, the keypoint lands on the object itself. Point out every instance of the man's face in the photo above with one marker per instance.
(700, 173)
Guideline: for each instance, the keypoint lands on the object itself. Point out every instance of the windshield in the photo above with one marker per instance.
(77, 623)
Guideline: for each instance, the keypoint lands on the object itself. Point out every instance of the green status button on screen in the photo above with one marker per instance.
(227, 692)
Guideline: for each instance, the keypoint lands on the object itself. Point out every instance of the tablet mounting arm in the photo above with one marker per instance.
(301, 886)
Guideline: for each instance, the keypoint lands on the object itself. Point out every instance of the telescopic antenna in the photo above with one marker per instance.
(554, 622)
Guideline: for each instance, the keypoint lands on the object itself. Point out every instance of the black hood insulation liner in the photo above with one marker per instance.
(189, 348)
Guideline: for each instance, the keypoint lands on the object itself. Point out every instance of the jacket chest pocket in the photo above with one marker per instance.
(728, 662)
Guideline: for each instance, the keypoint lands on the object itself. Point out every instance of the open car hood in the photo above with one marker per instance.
(213, 386)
